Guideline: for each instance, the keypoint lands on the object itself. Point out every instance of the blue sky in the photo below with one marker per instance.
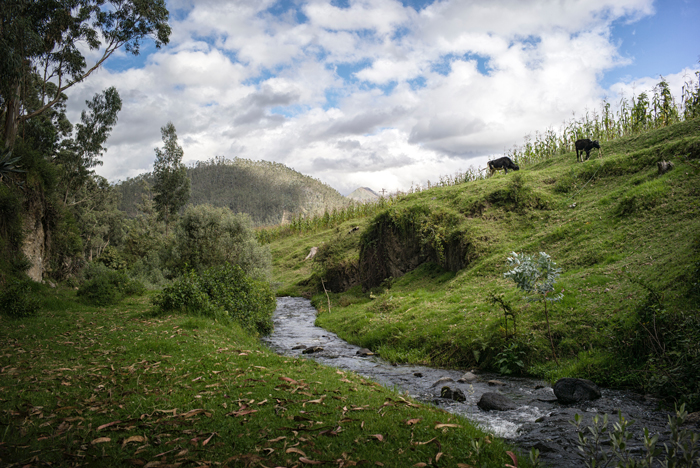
(384, 93)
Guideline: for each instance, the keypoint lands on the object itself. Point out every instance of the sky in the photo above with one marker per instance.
(383, 93)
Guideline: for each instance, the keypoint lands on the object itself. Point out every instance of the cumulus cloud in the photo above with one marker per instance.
(374, 94)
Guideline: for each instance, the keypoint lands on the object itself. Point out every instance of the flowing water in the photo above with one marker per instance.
(539, 421)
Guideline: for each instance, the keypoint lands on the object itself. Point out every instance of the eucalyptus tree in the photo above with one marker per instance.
(171, 185)
(44, 40)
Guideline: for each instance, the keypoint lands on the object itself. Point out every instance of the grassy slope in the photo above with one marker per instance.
(627, 218)
(115, 386)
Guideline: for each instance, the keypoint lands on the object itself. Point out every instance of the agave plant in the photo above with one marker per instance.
(8, 164)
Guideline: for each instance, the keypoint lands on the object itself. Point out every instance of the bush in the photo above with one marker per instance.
(18, 300)
(224, 293)
(210, 237)
(106, 287)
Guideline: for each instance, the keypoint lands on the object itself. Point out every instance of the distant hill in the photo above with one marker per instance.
(364, 194)
(269, 192)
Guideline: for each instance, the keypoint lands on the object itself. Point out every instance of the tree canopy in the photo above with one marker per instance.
(42, 40)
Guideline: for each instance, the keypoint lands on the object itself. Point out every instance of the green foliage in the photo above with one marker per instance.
(511, 360)
(208, 236)
(224, 293)
(665, 343)
(600, 446)
(112, 259)
(12, 260)
(536, 276)
(65, 31)
(8, 165)
(106, 287)
(79, 155)
(18, 299)
(171, 185)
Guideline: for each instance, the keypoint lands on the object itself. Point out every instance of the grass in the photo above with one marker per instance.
(115, 386)
(607, 222)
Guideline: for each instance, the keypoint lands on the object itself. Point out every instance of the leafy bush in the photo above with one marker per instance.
(208, 237)
(224, 293)
(18, 299)
(107, 287)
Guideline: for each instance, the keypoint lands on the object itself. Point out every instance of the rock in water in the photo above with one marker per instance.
(312, 349)
(456, 395)
(495, 401)
(570, 390)
(468, 377)
(442, 381)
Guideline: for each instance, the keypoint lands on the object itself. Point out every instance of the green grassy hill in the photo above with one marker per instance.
(416, 283)
(269, 192)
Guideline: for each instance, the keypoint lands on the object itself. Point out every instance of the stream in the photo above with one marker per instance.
(539, 421)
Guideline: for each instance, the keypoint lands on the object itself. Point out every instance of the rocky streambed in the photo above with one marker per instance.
(535, 417)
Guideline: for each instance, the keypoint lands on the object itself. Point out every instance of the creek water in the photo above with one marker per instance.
(539, 421)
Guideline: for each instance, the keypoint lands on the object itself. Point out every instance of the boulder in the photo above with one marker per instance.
(496, 401)
(456, 395)
(664, 166)
(312, 253)
(364, 352)
(312, 349)
(569, 390)
(442, 381)
(466, 378)
(496, 383)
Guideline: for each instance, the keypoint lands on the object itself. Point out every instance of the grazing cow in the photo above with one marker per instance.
(585, 145)
(504, 163)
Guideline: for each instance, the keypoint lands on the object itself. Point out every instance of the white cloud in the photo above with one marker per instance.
(432, 91)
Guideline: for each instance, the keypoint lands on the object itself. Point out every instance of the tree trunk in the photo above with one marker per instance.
(11, 119)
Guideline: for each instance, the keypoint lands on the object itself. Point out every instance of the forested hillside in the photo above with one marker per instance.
(269, 192)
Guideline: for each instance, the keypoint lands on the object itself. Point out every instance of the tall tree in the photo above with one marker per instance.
(77, 156)
(170, 182)
(42, 39)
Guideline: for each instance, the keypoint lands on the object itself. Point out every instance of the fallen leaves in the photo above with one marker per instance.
(101, 440)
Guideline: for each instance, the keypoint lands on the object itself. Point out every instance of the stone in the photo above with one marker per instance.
(442, 381)
(495, 401)
(364, 352)
(417, 374)
(496, 383)
(468, 377)
(456, 395)
(312, 253)
(301, 346)
(312, 349)
(664, 166)
(570, 390)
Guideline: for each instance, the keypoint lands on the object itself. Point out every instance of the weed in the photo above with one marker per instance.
(600, 446)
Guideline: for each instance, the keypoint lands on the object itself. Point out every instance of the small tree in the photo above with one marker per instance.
(171, 184)
(536, 276)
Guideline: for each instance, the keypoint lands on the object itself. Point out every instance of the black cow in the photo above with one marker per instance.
(585, 145)
(504, 163)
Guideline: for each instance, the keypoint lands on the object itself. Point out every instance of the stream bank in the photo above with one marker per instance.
(539, 420)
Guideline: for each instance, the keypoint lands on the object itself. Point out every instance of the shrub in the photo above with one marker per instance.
(224, 293)
(107, 287)
(208, 237)
(18, 299)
